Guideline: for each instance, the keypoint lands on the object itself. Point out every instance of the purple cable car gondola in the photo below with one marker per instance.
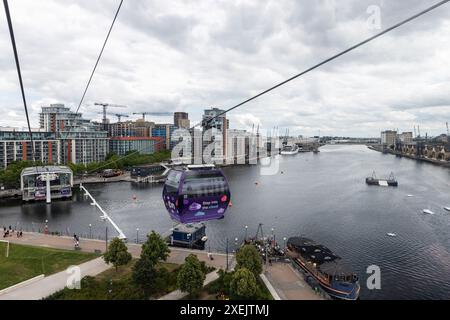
(196, 193)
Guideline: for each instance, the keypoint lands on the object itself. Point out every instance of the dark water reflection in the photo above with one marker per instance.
(321, 196)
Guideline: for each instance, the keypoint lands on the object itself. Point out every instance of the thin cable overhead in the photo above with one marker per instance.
(99, 56)
(19, 73)
(421, 13)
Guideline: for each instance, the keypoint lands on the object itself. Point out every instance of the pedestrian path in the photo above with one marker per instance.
(41, 289)
(178, 294)
(176, 256)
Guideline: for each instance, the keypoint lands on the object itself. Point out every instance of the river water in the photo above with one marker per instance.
(321, 196)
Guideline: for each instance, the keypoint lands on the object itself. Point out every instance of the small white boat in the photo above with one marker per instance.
(447, 209)
(410, 195)
(428, 211)
(390, 234)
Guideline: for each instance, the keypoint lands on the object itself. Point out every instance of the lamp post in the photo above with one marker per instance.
(137, 235)
(273, 236)
(246, 230)
(90, 230)
(46, 227)
(226, 250)
(265, 249)
(284, 239)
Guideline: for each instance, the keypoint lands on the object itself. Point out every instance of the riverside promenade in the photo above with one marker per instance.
(287, 283)
(177, 255)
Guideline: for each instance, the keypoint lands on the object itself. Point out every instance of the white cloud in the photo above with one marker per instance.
(189, 55)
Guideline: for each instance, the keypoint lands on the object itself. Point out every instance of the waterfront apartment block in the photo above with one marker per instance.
(81, 141)
(84, 147)
(15, 145)
(144, 145)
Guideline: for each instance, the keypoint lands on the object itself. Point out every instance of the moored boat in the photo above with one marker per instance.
(389, 182)
(289, 150)
(336, 278)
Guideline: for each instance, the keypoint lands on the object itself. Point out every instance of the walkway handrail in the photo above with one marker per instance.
(122, 236)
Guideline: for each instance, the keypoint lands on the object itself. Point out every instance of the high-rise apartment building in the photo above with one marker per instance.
(181, 120)
(216, 118)
(81, 141)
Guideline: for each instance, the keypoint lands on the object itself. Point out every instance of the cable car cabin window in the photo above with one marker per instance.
(202, 185)
(173, 181)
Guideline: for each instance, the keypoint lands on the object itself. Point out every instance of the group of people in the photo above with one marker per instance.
(9, 232)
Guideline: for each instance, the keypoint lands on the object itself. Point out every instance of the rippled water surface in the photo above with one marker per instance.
(321, 196)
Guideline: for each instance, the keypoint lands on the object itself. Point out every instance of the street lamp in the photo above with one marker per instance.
(226, 268)
(46, 226)
(284, 239)
(106, 233)
(246, 229)
(90, 230)
(137, 235)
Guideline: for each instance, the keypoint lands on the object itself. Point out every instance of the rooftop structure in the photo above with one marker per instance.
(47, 182)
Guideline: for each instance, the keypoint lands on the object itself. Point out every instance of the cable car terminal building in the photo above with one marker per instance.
(46, 183)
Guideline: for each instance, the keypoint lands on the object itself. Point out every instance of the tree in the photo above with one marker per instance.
(145, 272)
(243, 284)
(117, 253)
(144, 275)
(155, 248)
(191, 277)
(248, 257)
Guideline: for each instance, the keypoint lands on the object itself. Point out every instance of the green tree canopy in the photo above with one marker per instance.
(145, 272)
(243, 284)
(117, 253)
(248, 257)
(191, 276)
(155, 248)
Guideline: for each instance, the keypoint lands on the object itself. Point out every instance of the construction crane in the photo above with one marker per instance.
(105, 106)
(153, 114)
(120, 115)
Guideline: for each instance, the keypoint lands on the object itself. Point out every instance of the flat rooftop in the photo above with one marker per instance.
(45, 169)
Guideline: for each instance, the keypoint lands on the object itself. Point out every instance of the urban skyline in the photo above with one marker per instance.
(354, 99)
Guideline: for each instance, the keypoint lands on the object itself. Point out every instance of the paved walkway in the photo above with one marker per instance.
(41, 289)
(289, 283)
(178, 294)
(177, 255)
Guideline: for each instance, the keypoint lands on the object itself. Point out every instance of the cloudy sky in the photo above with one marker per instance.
(189, 55)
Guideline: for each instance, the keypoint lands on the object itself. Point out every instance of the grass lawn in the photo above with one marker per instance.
(26, 262)
(117, 285)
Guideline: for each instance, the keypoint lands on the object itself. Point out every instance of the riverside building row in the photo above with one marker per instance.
(66, 137)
